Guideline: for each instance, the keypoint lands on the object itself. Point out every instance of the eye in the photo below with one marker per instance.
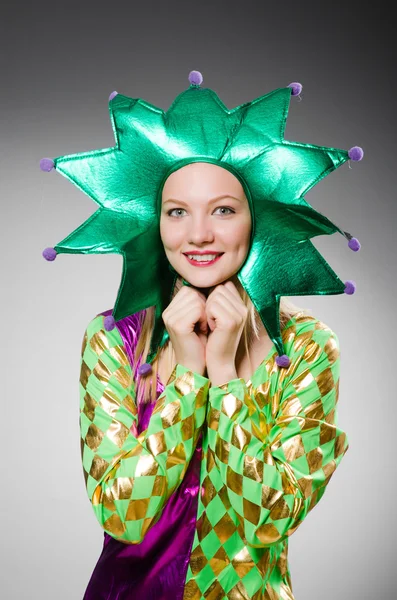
(231, 211)
(172, 210)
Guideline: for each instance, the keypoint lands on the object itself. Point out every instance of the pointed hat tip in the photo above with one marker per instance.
(296, 88)
(109, 323)
(195, 78)
(283, 361)
(49, 253)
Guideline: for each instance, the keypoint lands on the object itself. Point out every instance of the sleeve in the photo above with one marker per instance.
(129, 478)
(276, 468)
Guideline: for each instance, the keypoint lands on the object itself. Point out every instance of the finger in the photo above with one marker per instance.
(222, 310)
(197, 291)
(209, 314)
(190, 313)
(229, 285)
(226, 292)
(179, 299)
(203, 338)
(202, 324)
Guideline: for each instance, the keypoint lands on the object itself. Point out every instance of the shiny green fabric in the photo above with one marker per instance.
(126, 181)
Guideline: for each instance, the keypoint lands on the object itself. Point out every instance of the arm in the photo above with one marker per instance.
(276, 469)
(130, 478)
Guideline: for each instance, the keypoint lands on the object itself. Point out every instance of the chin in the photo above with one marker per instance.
(205, 282)
(201, 281)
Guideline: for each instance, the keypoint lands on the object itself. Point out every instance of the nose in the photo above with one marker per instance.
(200, 231)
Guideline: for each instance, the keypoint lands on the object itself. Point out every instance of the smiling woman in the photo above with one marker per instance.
(201, 462)
(214, 216)
(223, 465)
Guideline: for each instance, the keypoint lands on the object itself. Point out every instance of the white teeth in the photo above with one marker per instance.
(203, 257)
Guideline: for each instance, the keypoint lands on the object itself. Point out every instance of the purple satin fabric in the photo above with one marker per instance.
(156, 568)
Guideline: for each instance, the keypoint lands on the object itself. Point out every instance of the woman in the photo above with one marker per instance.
(201, 471)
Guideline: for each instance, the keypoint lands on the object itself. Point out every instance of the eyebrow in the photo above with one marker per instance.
(212, 200)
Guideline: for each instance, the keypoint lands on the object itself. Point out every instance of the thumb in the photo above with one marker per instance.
(203, 338)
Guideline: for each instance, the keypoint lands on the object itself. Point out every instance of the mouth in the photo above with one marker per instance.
(203, 261)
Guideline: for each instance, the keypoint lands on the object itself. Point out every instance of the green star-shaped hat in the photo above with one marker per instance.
(126, 182)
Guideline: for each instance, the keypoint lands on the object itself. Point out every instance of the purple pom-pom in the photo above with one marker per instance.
(145, 369)
(283, 361)
(112, 95)
(296, 88)
(354, 244)
(49, 253)
(195, 77)
(350, 287)
(46, 164)
(109, 323)
(356, 153)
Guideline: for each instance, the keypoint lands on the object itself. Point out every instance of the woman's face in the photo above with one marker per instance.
(204, 208)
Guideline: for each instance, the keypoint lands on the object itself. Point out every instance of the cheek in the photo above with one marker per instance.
(171, 236)
(239, 233)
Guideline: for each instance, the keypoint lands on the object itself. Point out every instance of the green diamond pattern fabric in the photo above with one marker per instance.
(269, 449)
(130, 478)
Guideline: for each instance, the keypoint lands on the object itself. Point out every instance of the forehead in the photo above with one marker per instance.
(202, 179)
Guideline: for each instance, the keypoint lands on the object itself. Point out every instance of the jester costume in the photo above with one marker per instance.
(199, 492)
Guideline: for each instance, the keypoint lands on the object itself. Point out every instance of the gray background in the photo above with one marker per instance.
(60, 62)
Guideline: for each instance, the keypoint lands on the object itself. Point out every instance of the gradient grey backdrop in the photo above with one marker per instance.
(60, 62)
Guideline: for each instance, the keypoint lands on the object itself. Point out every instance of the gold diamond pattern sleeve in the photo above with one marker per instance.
(128, 477)
(277, 446)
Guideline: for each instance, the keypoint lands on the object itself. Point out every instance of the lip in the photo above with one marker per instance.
(203, 264)
(203, 252)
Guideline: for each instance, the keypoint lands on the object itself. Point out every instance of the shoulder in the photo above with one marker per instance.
(132, 323)
(313, 348)
(97, 339)
(123, 335)
(97, 326)
(313, 340)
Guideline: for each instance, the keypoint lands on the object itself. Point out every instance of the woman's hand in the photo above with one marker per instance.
(184, 315)
(226, 315)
